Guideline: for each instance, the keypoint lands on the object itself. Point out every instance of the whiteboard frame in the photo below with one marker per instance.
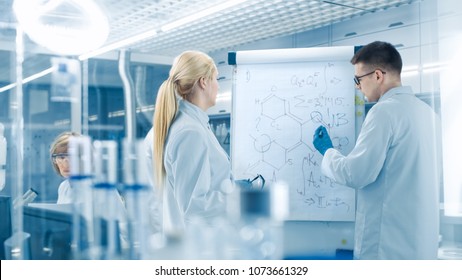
(290, 55)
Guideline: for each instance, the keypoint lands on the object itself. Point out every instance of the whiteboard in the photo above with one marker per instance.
(279, 98)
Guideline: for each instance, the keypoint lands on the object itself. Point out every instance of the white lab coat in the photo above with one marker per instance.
(64, 193)
(155, 196)
(66, 196)
(197, 168)
(395, 167)
(149, 147)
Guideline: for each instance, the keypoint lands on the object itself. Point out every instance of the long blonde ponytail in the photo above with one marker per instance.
(186, 70)
(166, 108)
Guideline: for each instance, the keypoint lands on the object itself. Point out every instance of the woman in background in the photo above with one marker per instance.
(60, 161)
(191, 168)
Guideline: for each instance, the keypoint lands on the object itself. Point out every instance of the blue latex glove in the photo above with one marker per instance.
(321, 140)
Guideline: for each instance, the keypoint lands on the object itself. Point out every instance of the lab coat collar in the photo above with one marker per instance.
(394, 91)
(194, 111)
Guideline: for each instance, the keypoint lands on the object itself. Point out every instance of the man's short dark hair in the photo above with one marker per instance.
(379, 55)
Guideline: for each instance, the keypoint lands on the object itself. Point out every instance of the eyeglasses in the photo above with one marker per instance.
(357, 79)
(60, 158)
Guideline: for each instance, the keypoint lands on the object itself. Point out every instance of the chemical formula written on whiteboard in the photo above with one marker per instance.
(280, 107)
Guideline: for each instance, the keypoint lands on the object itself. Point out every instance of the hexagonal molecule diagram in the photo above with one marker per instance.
(278, 104)
(283, 126)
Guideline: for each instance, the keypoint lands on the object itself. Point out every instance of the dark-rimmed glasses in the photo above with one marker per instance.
(357, 79)
(60, 158)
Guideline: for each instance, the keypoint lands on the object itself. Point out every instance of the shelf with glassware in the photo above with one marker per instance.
(221, 127)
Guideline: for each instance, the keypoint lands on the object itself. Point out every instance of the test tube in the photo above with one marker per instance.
(137, 193)
(105, 196)
(80, 167)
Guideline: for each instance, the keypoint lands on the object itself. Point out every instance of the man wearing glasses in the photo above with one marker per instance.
(394, 165)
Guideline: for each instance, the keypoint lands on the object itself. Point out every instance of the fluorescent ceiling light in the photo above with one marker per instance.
(435, 64)
(62, 122)
(7, 87)
(410, 68)
(115, 114)
(433, 69)
(145, 108)
(119, 44)
(167, 27)
(410, 73)
(93, 118)
(200, 14)
(29, 79)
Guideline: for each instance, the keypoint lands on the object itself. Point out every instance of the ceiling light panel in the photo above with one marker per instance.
(287, 18)
(244, 23)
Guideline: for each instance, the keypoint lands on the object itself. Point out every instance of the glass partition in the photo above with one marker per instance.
(56, 94)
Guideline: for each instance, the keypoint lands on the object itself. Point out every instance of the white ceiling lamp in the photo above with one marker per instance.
(200, 14)
(66, 27)
(119, 44)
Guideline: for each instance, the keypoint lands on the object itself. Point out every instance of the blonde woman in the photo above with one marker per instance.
(60, 161)
(194, 167)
